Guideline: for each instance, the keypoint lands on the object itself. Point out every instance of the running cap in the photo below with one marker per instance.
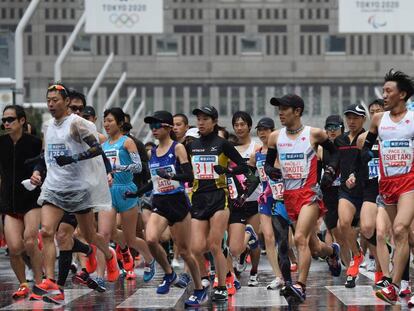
(334, 120)
(192, 132)
(289, 100)
(208, 110)
(160, 116)
(357, 109)
(89, 111)
(266, 122)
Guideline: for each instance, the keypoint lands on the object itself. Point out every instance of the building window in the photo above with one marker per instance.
(47, 15)
(234, 11)
(302, 14)
(259, 14)
(217, 13)
(141, 45)
(249, 100)
(115, 44)
(191, 13)
(217, 45)
(11, 13)
(226, 14)
(327, 13)
(3, 13)
(29, 45)
(72, 14)
(183, 45)
(168, 46)
(268, 45)
(63, 13)
(302, 45)
(285, 45)
(20, 12)
(369, 45)
(310, 45)
(268, 14)
(335, 44)
(251, 45)
(200, 14)
(402, 44)
(56, 45)
(200, 45)
(276, 45)
(175, 14)
(242, 14)
(82, 44)
(193, 97)
(55, 14)
(223, 100)
(183, 14)
(192, 45)
(386, 45)
(394, 44)
(98, 45)
(47, 44)
(234, 45)
(133, 47)
(310, 16)
(276, 14)
(107, 45)
(226, 45)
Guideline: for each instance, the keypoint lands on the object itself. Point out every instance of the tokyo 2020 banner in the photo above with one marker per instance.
(124, 16)
(376, 16)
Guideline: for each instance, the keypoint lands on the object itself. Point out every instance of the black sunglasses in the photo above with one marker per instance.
(76, 108)
(8, 119)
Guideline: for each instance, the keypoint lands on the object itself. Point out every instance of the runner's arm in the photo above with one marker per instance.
(139, 193)
(187, 171)
(136, 166)
(233, 155)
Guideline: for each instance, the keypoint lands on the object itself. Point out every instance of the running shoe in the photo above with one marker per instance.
(127, 260)
(56, 298)
(253, 281)
(205, 283)
(253, 240)
(183, 280)
(122, 273)
(334, 261)
(80, 278)
(131, 275)
(118, 252)
(149, 271)
(112, 269)
(47, 287)
(378, 276)
(293, 293)
(29, 275)
(167, 281)
(388, 294)
(293, 267)
(73, 267)
(91, 262)
(405, 289)
(198, 298)
(353, 269)
(237, 284)
(275, 284)
(101, 284)
(371, 266)
(231, 290)
(350, 281)
(22, 292)
(383, 283)
(219, 295)
(411, 302)
(34, 297)
(175, 263)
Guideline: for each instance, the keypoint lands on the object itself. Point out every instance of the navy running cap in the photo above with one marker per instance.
(208, 110)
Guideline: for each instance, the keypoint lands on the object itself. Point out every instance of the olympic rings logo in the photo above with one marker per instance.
(123, 19)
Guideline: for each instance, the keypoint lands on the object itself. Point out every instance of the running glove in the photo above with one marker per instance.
(221, 170)
(65, 160)
(239, 201)
(164, 174)
(328, 177)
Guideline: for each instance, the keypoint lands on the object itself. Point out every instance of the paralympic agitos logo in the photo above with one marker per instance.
(376, 22)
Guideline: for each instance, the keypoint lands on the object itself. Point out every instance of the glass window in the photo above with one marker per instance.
(335, 44)
(205, 95)
(82, 44)
(193, 97)
(235, 99)
(223, 100)
(167, 46)
(346, 96)
(334, 99)
(251, 45)
(316, 100)
(261, 101)
(63, 13)
(167, 102)
(249, 100)
(179, 99)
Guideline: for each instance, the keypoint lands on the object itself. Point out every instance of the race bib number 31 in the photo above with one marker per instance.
(203, 166)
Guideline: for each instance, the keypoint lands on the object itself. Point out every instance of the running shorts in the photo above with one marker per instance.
(356, 202)
(371, 190)
(242, 214)
(331, 200)
(266, 209)
(205, 204)
(298, 198)
(119, 203)
(173, 207)
(391, 188)
(70, 201)
(70, 219)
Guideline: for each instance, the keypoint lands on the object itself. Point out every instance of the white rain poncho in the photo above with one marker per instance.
(77, 186)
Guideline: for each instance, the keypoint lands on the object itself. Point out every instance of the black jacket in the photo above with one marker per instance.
(14, 198)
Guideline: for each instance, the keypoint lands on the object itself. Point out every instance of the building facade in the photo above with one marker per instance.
(233, 54)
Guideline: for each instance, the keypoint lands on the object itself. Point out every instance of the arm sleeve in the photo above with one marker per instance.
(333, 153)
(107, 163)
(186, 174)
(135, 167)
(144, 189)
(235, 156)
(270, 170)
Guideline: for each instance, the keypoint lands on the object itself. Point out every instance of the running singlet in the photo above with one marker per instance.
(277, 186)
(170, 164)
(297, 159)
(206, 152)
(118, 155)
(396, 145)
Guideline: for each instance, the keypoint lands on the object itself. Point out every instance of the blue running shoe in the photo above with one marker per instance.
(236, 283)
(253, 240)
(167, 281)
(294, 294)
(101, 284)
(198, 298)
(334, 260)
(183, 280)
(149, 271)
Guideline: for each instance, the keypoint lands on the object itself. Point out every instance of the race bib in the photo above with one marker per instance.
(278, 188)
(261, 171)
(231, 185)
(162, 185)
(397, 153)
(113, 157)
(55, 150)
(203, 166)
(373, 168)
(293, 165)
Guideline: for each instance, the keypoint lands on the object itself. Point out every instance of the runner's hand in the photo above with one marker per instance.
(262, 200)
(351, 181)
(110, 179)
(36, 178)
(130, 194)
(221, 170)
(164, 174)
(64, 160)
(239, 201)
(327, 178)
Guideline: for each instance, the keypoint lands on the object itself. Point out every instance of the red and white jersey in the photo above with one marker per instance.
(297, 159)
(396, 148)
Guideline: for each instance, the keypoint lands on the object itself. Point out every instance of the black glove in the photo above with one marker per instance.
(64, 160)
(221, 170)
(164, 174)
(327, 178)
(239, 201)
(276, 174)
(129, 194)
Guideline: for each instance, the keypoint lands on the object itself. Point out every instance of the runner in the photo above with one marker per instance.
(395, 131)
(22, 214)
(350, 199)
(180, 126)
(209, 156)
(76, 182)
(170, 169)
(296, 145)
(89, 114)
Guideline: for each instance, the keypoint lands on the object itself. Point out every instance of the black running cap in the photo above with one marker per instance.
(334, 120)
(89, 111)
(208, 110)
(266, 123)
(160, 116)
(356, 109)
(289, 100)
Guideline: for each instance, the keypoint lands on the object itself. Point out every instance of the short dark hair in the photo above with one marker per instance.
(73, 94)
(223, 129)
(118, 114)
(20, 113)
(183, 116)
(404, 82)
(377, 101)
(64, 91)
(242, 115)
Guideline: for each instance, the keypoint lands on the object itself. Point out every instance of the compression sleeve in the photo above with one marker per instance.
(135, 167)
(186, 175)
(235, 156)
(270, 170)
(333, 153)
(107, 163)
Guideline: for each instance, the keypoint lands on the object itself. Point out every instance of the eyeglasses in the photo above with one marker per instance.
(332, 127)
(8, 120)
(76, 108)
(58, 87)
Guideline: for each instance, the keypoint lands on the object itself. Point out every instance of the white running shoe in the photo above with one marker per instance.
(175, 263)
(276, 283)
(29, 275)
(371, 266)
(205, 283)
(253, 281)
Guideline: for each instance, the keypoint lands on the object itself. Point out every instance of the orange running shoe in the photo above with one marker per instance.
(127, 260)
(47, 287)
(22, 292)
(353, 269)
(56, 299)
(118, 252)
(34, 297)
(131, 275)
(231, 290)
(112, 269)
(378, 276)
(91, 262)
